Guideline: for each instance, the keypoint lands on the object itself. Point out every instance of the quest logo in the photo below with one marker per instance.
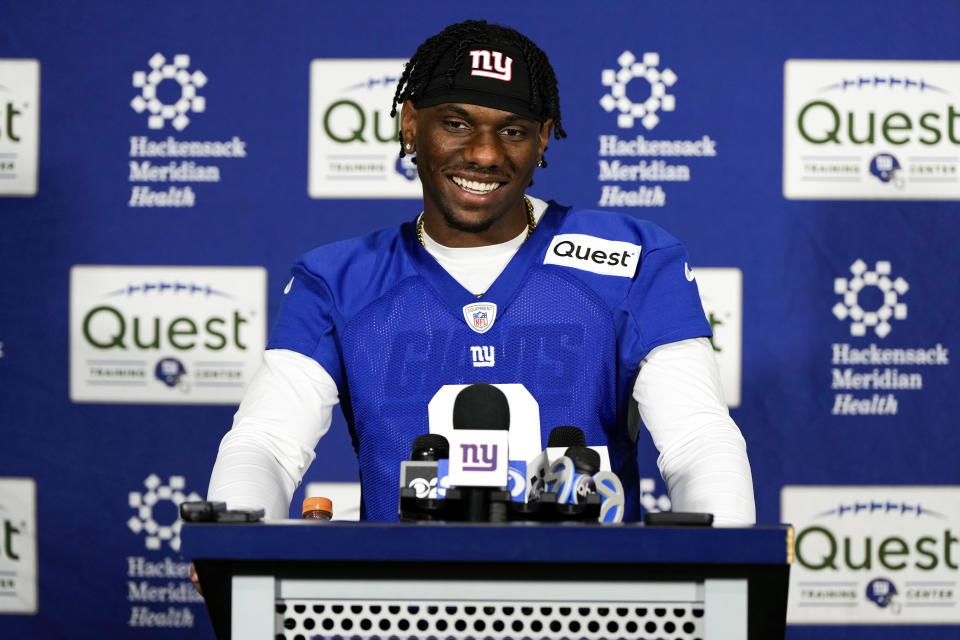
(18, 545)
(590, 253)
(177, 335)
(873, 554)
(721, 292)
(871, 129)
(19, 126)
(354, 143)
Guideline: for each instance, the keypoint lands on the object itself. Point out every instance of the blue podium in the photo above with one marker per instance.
(300, 580)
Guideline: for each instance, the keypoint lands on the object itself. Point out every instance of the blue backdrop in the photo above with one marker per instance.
(93, 459)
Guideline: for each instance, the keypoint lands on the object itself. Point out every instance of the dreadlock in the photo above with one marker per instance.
(544, 97)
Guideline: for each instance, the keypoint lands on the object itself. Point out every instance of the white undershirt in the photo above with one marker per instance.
(476, 268)
(288, 407)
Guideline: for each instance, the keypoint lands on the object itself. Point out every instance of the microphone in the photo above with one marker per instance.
(566, 436)
(430, 446)
(535, 471)
(578, 481)
(421, 472)
(539, 468)
(571, 485)
(586, 462)
(481, 406)
(611, 491)
(559, 475)
(478, 447)
(421, 477)
(559, 479)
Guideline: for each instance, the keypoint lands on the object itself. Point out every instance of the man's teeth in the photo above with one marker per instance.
(473, 186)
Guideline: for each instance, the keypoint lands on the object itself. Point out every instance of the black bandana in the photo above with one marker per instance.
(493, 74)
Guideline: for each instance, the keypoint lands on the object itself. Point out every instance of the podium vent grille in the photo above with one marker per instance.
(482, 620)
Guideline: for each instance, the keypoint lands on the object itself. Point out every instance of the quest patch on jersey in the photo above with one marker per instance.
(590, 253)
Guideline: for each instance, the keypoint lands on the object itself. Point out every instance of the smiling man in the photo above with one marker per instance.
(596, 314)
(474, 164)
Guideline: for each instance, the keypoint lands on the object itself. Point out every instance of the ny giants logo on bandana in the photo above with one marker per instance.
(480, 63)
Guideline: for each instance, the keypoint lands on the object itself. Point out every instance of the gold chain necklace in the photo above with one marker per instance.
(531, 224)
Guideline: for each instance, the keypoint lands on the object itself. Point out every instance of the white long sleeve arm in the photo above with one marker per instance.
(703, 457)
(285, 411)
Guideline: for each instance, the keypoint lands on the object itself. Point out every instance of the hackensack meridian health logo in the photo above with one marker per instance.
(638, 92)
(146, 504)
(175, 111)
(866, 379)
(158, 585)
(862, 281)
(164, 170)
(633, 69)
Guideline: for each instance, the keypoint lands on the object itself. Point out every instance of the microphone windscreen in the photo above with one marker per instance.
(430, 446)
(585, 460)
(611, 491)
(560, 478)
(567, 436)
(481, 406)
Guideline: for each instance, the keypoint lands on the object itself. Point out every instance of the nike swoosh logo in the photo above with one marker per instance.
(687, 271)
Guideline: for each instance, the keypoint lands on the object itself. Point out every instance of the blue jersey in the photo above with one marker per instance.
(582, 302)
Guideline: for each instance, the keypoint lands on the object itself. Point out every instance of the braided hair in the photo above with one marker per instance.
(421, 68)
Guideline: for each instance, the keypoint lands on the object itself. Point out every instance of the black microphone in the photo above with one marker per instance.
(478, 448)
(587, 480)
(420, 472)
(559, 475)
(586, 462)
(566, 436)
(420, 479)
(542, 476)
(585, 459)
(430, 446)
(481, 407)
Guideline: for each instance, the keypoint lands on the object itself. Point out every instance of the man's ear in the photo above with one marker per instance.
(546, 129)
(408, 126)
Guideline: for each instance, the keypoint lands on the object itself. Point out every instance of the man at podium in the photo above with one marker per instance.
(596, 314)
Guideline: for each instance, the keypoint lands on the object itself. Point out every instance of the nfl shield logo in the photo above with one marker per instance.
(480, 315)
